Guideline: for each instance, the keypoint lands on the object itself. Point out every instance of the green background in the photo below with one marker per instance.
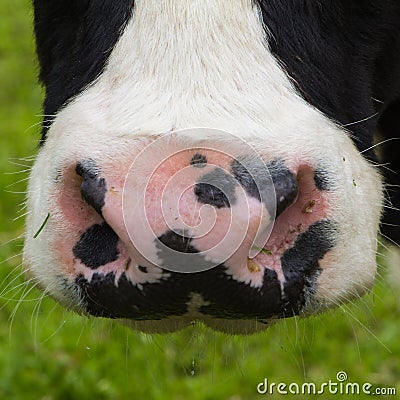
(48, 353)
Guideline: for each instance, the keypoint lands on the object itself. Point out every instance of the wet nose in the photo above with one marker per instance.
(216, 190)
(194, 210)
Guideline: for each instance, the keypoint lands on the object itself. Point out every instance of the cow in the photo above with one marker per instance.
(221, 161)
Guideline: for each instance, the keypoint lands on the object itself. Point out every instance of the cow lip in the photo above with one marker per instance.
(106, 295)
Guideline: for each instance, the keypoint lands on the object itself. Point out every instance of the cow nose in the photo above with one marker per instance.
(93, 186)
(194, 210)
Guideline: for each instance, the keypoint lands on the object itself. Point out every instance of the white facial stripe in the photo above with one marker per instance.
(181, 64)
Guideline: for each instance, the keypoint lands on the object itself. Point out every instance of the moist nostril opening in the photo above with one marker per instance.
(93, 187)
(286, 191)
(285, 185)
(258, 180)
(93, 193)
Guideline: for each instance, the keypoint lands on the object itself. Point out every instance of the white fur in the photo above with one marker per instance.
(182, 64)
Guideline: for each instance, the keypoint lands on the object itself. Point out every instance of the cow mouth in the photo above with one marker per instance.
(168, 294)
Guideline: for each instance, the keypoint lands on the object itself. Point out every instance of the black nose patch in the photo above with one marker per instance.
(170, 255)
(285, 184)
(216, 188)
(300, 263)
(179, 242)
(93, 187)
(97, 246)
(257, 180)
(198, 160)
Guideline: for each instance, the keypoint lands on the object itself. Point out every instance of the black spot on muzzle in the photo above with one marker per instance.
(300, 263)
(97, 246)
(198, 161)
(258, 178)
(179, 242)
(216, 188)
(93, 187)
(171, 248)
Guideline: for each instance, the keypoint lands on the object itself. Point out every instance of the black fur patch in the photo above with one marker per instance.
(389, 156)
(97, 246)
(104, 299)
(227, 298)
(74, 40)
(322, 180)
(338, 63)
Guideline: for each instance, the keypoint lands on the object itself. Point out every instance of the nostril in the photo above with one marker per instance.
(258, 179)
(286, 193)
(285, 185)
(93, 187)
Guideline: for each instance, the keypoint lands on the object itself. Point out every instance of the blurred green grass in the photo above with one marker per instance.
(48, 353)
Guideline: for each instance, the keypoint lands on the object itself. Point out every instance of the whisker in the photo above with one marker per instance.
(347, 309)
(362, 120)
(378, 144)
(389, 239)
(25, 293)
